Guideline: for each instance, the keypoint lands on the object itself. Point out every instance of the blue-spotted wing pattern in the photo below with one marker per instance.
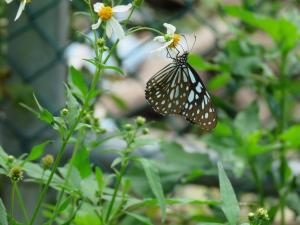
(178, 90)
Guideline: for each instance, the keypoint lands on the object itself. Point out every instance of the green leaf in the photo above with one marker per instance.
(3, 214)
(82, 162)
(43, 113)
(230, 205)
(46, 116)
(78, 82)
(37, 151)
(140, 218)
(3, 158)
(73, 107)
(74, 178)
(199, 63)
(117, 69)
(155, 184)
(293, 201)
(120, 103)
(64, 204)
(283, 32)
(247, 121)
(100, 180)
(219, 81)
(291, 135)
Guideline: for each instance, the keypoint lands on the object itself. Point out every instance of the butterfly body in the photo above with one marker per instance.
(178, 90)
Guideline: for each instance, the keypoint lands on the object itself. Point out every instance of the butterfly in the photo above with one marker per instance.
(178, 90)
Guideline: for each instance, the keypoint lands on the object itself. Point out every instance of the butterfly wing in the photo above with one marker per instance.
(178, 89)
(165, 90)
(198, 107)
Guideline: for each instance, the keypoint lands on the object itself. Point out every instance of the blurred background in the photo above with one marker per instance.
(37, 50)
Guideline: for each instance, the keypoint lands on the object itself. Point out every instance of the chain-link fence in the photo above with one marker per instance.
(35, 48)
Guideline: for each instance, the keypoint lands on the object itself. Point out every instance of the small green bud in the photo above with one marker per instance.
(96, 121)
(167, 37)
(101, 42)
(138, 3)
(145, 131)
(47, 161)
(251, 216)
(10, 158)
(128, 127)
(88, 119)
(140, 121)
(16, 174)
(64, 112)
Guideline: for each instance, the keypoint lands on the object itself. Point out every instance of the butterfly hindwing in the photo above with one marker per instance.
(198, 107)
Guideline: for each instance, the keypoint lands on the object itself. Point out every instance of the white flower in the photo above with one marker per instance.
(106, 14)
(169, 40)
(21, 7)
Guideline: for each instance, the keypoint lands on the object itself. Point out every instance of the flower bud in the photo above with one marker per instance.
(101, 42)
(64, 112)
(140, 121)
(128, 127)
(47, 161)
(16, 174)
(251, 216)
(145, 131)
(10, 158)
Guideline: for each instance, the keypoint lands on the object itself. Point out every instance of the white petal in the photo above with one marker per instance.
(160, 39)
(21, 8)
(98, 6)
(162, 47)
(117, 28)
(122, 8)
(97, 25)
(8, 1)
(109, 29)
(170, 28)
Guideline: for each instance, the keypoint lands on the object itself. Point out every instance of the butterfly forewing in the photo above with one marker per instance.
(178, 89)
(165, 90)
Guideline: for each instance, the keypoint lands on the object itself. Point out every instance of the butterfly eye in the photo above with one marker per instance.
(178, 90)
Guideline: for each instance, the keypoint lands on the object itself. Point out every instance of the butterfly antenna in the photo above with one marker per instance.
(178, 52)
(195, 38)
(181, 47)
(187, 44)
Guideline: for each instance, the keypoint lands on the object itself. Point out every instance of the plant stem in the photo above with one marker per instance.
(12, 201)
(258, 182)
(117, 186)
(61, 193)
(55, 165)
(281, 126)
(22, 205)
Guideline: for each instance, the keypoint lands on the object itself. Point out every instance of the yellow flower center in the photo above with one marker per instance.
(105, 13)
(175, 40)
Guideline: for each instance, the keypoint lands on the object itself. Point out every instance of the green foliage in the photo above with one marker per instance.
(155, 184)
(137, 190)
(230, 205)
(37, 151)
(3, 214)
